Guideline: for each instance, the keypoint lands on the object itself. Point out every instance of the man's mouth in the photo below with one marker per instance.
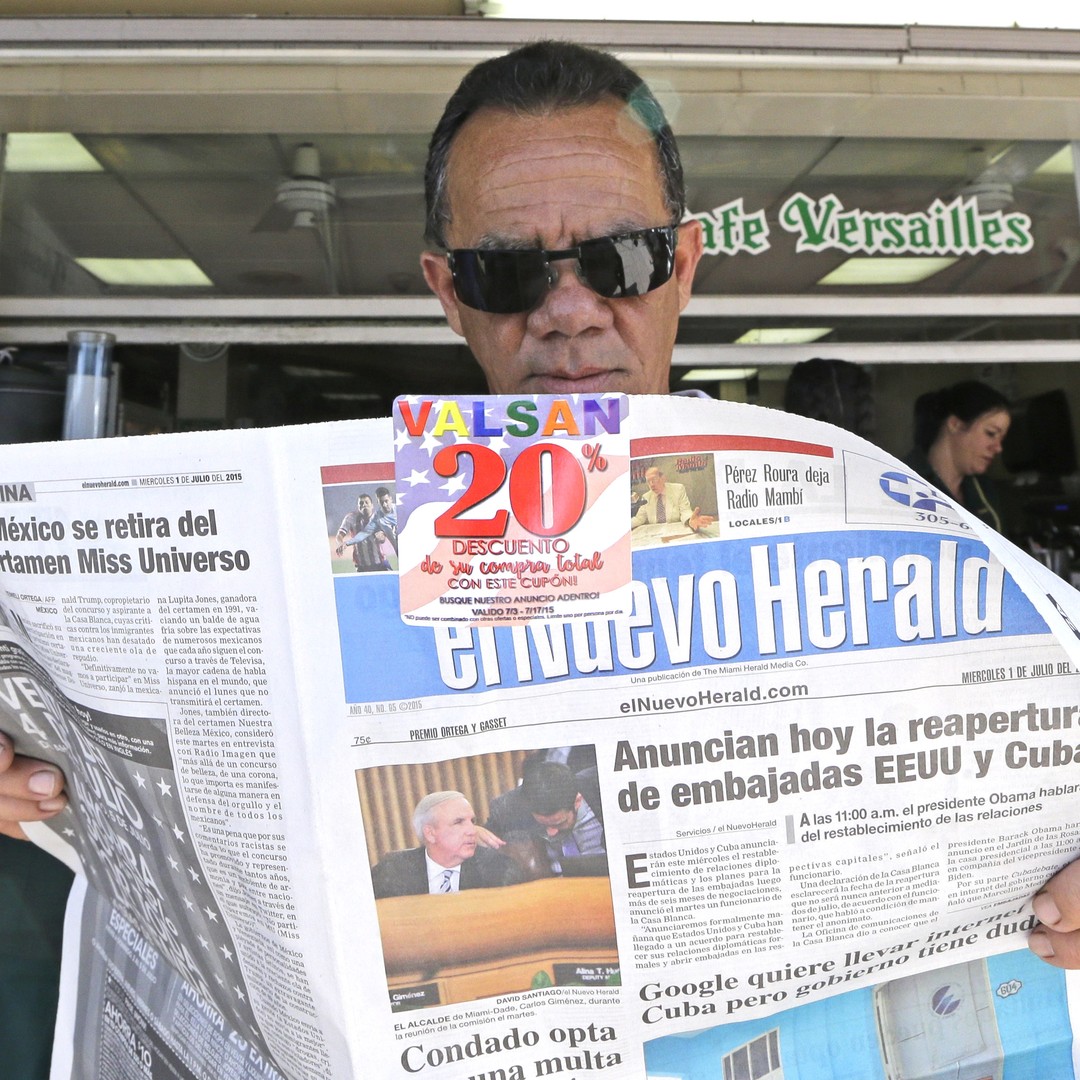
(583, 380)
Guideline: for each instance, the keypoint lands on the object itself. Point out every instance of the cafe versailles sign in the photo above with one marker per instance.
(955, 228)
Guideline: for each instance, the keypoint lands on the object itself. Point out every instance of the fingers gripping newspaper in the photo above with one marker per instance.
(752, 776)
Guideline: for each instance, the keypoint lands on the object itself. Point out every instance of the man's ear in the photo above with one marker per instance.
(687, 256)
(440, 281)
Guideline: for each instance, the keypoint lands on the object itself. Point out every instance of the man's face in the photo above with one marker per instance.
(553, 181)
(561, 821)
(450, 834)
(364, 505)
(655, 479)
(386, 502)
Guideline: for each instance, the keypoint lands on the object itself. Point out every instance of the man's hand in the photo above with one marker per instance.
(486, 838)
(698, 520)
(30, 790)
(1057, 907)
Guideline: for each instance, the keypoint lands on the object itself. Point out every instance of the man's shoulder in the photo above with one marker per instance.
(400, 873)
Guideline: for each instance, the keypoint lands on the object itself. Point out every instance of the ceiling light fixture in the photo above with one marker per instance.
(783, 335)
(48, 152)
(1059, 164)
(719, 374)
(147, 273)
(901, 270)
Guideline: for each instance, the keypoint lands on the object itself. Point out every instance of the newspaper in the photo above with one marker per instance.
(827, 749)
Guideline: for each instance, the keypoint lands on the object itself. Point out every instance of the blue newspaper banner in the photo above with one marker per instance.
(733, 602)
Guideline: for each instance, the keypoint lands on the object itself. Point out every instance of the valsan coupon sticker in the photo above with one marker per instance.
(513, 508)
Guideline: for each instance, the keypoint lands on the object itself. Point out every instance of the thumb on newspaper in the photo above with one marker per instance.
(1057, 907)
(30, 790)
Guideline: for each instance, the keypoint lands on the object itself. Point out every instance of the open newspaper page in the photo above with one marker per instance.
(832, 746)
(819, 765)
(146, 647)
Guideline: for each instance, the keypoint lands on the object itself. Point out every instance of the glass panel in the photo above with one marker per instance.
(976, 202)
(759, 1057)
(740, 1064)
(344, 217)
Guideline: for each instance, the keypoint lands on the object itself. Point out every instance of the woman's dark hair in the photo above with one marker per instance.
(535, 79)
(967, 401)
(836, 391)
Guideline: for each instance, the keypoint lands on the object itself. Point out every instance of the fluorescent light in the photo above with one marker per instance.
(149, 273)
(719, 374)
(783, 335)
(1061, 164)
(48, 151)
(902, 270)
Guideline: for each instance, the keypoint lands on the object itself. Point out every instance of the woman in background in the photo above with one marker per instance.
(959, 430)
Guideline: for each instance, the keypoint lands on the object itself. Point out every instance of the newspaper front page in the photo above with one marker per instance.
(819, 765)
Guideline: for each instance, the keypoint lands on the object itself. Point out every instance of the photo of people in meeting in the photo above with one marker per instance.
(361, 526)
(511, 841)
(672, 499)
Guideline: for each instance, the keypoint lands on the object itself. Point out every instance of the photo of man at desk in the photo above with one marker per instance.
(543, 926)
(668, 510)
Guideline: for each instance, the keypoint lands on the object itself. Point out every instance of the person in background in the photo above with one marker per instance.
(958, 431)
(836, 391)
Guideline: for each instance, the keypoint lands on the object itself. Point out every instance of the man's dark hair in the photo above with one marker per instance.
(381, 491)
(548, 787)
(537, 78)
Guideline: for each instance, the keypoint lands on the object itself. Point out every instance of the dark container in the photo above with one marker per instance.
(31, 402)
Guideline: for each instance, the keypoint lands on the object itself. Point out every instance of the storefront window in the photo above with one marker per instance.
(334, 215)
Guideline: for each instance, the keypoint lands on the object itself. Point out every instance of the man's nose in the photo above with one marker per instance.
(552, 831)
(570, 307)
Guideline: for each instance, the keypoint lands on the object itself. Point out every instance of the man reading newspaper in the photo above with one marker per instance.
(555, 206)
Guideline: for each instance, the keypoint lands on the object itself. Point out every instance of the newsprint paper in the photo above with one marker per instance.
(823, 748)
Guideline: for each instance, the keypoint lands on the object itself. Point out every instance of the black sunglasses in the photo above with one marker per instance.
(508, 281)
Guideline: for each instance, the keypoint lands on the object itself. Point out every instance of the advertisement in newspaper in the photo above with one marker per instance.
(783, 818)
